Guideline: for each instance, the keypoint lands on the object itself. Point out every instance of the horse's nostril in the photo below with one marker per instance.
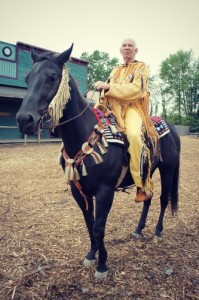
(30, 118)
(26, 122)
(24, 118)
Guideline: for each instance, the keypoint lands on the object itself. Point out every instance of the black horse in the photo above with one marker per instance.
(76, 127)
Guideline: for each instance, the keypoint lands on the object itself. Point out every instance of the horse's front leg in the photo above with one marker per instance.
(142, 222)
(90, 258)
(104, 200)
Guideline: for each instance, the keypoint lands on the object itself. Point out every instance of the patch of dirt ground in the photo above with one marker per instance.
(44, 240)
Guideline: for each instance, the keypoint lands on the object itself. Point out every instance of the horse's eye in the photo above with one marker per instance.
(52, 78)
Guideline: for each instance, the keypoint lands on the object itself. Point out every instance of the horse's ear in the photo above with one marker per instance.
(34, 55)
(64, 56)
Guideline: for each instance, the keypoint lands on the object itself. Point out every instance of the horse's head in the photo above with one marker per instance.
(42, 85)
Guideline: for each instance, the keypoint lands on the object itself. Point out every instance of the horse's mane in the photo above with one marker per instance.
(61, 98)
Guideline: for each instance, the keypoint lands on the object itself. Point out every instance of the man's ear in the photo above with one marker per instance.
(136, 50)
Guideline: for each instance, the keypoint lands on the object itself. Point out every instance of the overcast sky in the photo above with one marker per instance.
(160, 27)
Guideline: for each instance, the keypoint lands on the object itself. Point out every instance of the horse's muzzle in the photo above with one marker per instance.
(27, 123)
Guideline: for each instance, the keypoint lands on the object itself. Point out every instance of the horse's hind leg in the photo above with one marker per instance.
(166, 182)
(142, 222)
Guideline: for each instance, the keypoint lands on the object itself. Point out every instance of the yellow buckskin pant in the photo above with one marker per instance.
(137, 149)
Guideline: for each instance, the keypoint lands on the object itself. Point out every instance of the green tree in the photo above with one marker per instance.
(99, 66)
(180, 85)
(154, 88)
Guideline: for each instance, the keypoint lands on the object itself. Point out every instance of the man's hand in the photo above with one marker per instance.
(100, 85)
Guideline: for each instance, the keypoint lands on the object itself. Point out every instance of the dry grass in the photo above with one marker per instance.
(43, 236)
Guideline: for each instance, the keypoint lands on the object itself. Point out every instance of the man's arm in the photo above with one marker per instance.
(132, 90)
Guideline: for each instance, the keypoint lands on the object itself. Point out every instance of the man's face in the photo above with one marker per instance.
(128, 50)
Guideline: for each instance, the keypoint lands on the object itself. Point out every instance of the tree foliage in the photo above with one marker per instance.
(154, 95)
(180, 87)
(99, 66)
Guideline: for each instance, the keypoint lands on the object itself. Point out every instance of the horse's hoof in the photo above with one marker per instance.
(157, 240)
(101, 275)
(137, 236)
(89, 262)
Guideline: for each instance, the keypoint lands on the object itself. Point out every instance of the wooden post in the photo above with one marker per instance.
(39, 135)
(25, 139)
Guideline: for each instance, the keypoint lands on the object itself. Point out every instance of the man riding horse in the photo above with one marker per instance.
(126, 95)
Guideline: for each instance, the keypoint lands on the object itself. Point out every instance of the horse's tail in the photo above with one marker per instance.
(174, 189)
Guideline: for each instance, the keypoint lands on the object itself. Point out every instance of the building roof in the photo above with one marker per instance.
(28, 47)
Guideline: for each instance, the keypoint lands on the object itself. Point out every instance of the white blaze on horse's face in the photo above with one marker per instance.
(42, 84)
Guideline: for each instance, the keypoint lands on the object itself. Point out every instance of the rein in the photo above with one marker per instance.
(75, 117)
(79, 115)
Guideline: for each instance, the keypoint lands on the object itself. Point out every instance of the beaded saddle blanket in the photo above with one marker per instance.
(160, 126)
(110, 131)
(113, 136)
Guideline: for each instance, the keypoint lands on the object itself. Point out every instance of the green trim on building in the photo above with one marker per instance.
(13, 73)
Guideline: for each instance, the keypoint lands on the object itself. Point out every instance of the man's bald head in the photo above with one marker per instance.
(128, 50)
